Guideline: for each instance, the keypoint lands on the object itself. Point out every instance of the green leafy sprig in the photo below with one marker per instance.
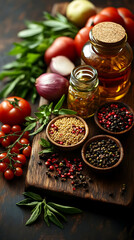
(29, 54)
(52, 212)
(44, 115)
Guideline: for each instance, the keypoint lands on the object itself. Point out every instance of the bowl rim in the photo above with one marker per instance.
(106, 104)
(67, 146)
(102, 137)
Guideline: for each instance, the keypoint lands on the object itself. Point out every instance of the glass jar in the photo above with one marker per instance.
(110, 54)
(83, 93)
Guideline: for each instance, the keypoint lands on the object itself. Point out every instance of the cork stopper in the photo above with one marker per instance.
(108, 32)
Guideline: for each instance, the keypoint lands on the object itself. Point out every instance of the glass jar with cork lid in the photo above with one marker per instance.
(109, 52)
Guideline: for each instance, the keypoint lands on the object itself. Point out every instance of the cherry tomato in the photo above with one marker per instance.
(14, 115)
(15, 149)
(61, 46)
(6, 128)
(129, 26)
(3, 156)
(21, 158)
(81, 38)
(24, 141)
(124, 12)
(18, 171)
(16, 128)
(113, 14)
(27, 151)
(9, 174)
(26, 135)
(2, 134)
(6, 142)
(3, 166)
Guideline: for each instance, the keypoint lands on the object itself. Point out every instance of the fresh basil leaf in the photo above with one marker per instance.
(54, 219)
(66, 111)
(38, 130)
(32, 195)
(29, 32)
(58, 213)
(32, 57)
(30, 126)
(9, 73)
(47, 150)
(59, 104)
(35, 214)
(44, 143)
(65, 209)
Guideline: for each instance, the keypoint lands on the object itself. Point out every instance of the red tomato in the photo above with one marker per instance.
(102, 18)
(21, 158)
(6, 142)
(124, 12)
(129, 26)
(24, 141)
(18, 171)
(90, 21)
(13, 115)
(2, 134)
(113, 14)
(15, 149)
(26, 135)
(27, 151)
(81, 38)
(9, 174)
(6, 128)
(61, 46)
(3, 166)
(16, 128)
(4, 158)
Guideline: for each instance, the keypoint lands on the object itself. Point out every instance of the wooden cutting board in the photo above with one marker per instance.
(105, 188)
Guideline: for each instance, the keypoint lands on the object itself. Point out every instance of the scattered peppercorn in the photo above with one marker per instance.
(115, 117)
(102, 153)
(66, 169)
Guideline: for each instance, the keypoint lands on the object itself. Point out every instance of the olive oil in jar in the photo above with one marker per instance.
(83, 93)
(109, 52)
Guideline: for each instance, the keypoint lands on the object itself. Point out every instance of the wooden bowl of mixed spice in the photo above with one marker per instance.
(67, 132)
(114, 117)
(102, 153)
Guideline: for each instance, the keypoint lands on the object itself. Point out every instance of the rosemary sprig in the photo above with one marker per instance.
(52, 212)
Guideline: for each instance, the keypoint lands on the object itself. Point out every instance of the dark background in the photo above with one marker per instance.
(98, 221)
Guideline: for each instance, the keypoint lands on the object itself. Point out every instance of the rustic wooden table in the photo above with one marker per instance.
(98, 220)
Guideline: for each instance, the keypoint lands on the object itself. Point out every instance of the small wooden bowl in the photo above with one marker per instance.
(67, 147)
(120, 104)
(101, 137)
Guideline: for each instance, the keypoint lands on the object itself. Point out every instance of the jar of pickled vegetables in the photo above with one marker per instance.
(110, 54)
(83, 93)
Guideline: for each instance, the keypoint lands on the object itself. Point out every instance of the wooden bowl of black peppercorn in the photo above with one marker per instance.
(114, 117)
(102, 153)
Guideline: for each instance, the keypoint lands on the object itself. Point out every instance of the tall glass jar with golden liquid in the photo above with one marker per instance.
(111, 55)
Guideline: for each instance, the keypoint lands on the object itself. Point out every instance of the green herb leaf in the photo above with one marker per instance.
(29, 32)
(54, 219)
(27, 202)
(66, 111)
(32, 195)
(58, 213)
(46, 215)
(59, 104)
(35, 214)
(65, 209)
(45, 143)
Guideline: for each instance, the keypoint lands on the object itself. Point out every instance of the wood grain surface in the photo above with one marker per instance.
(103, 184)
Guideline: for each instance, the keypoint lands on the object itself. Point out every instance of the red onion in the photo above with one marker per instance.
(61, 65)
(51, 86)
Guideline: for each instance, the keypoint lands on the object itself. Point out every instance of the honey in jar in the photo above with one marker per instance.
(83, 92)
(109, 52)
